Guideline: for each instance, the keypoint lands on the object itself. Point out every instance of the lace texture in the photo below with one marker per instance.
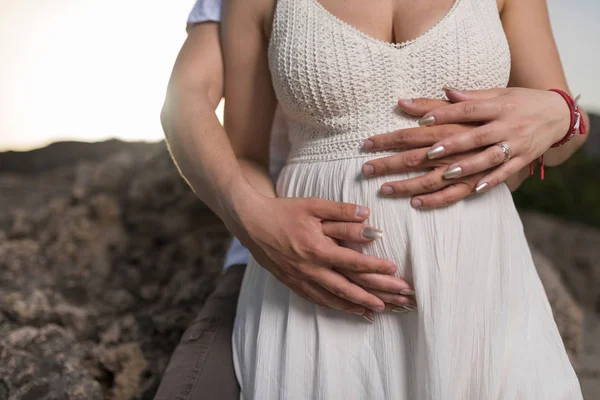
(333, 102)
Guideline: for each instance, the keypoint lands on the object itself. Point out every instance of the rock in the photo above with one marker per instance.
(22, 227)
(589, 361)
(574, 250)
(592, 144)
(110, 176)
(567, 313)
(4, 390)
(76, 318)
(127, 363)
(45, 363)
(102, 268)
(67, 154)
(27, 308)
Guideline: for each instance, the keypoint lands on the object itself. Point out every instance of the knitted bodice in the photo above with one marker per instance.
(338, 85)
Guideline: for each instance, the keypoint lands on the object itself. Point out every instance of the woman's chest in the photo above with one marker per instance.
(392, 21)
(322, 65)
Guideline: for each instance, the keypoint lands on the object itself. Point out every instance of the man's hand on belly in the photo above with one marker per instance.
(439, 187)
(297, 240)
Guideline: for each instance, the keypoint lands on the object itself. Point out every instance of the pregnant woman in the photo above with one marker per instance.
(481, 326)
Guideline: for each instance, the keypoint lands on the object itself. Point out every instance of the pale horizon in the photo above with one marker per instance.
(95, 70)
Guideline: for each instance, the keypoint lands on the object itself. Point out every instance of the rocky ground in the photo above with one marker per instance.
(105, 259)
(102, 266)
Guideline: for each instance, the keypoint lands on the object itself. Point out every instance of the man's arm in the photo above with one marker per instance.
(196, 139)
(205, 157)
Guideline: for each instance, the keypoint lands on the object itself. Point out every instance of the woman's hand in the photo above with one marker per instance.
(296, 240)
(430, 190)
(529, 121)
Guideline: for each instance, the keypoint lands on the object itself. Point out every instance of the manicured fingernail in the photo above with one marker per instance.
(416, 203)
(400, 310)
(447, 88)
(407, 292)
(358, 311)
(368, 144)
(362, 211)
(410, 307)
(436, 152)
(454, 172)
(406, 101)
(387, 189)
(368, 318)
(372, 233)
(368, 169)
(482, 188)
(427, 121)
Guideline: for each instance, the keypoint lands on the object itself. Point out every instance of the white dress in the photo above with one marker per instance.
(484, 328)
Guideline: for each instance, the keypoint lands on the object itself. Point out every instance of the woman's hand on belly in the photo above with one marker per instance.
(296, 239)
(511, 128)
(447, 182)
(430, 190)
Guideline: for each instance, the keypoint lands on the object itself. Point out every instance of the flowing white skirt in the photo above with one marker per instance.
(483, 329)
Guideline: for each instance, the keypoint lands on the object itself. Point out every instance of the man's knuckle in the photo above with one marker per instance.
(470, 108)
(430, 183)
(357, 265)
(345, 230)
(360, 279)
(480, 137)
(412, 160)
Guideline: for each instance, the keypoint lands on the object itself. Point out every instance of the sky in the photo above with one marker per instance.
(96, 69)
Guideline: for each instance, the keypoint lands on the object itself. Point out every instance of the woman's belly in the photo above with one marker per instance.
(417, 240)
(481, 305)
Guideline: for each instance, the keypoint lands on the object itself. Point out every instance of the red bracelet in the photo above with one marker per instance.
(577, 124)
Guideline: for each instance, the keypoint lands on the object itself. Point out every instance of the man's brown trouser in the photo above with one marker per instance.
(201, 367)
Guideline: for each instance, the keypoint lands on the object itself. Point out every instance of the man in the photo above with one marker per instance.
(201, 366)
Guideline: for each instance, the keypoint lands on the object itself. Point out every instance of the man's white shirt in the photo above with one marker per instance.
(210, 10)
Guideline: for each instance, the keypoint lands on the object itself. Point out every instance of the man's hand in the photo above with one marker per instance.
(433, 189)
(296, 240)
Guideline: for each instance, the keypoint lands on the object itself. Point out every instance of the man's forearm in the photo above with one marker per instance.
(203, 154)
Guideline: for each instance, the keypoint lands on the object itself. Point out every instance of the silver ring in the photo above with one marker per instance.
(506, 150)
